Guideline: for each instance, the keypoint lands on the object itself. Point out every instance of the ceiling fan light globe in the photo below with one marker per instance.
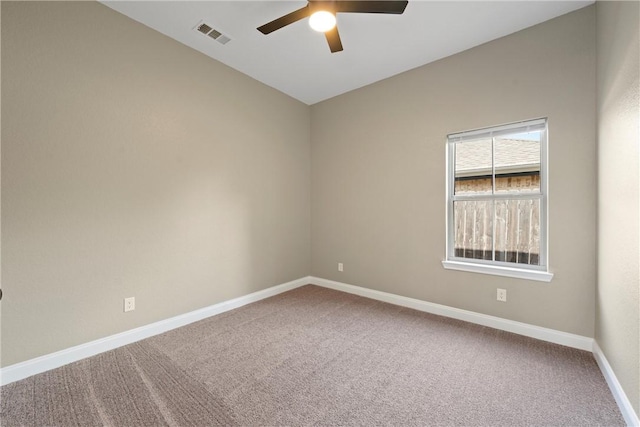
(322, 21)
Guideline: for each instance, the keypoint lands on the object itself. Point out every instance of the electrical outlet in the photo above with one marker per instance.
(129, 304)
(502, 295)
(340, 267)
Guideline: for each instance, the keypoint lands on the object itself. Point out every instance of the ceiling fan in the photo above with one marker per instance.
(322, 16)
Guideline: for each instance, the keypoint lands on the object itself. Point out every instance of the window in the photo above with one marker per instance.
(497, 201)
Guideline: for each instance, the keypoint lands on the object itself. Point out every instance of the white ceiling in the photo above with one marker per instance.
(296, 60)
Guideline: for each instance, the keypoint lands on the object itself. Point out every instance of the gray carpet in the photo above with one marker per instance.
(314, 356)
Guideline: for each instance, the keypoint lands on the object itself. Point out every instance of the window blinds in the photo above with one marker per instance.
(487, 133)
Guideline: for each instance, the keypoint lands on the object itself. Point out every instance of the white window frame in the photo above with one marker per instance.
(500, 268)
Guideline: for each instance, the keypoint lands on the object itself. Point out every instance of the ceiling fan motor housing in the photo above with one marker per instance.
(395, 7)
(322, 6)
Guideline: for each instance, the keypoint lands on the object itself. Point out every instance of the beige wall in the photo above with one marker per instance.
(378, 173)
(618, 304)
(135, 166)
(0, 188)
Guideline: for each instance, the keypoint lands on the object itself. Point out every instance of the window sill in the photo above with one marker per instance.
(518, 273)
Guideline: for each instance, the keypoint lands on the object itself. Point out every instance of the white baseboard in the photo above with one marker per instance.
(545, 334)
(47, 362)
(630, 416)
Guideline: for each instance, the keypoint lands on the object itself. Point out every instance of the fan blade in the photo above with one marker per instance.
(285, 20)
(333, 38)
(394, 7)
